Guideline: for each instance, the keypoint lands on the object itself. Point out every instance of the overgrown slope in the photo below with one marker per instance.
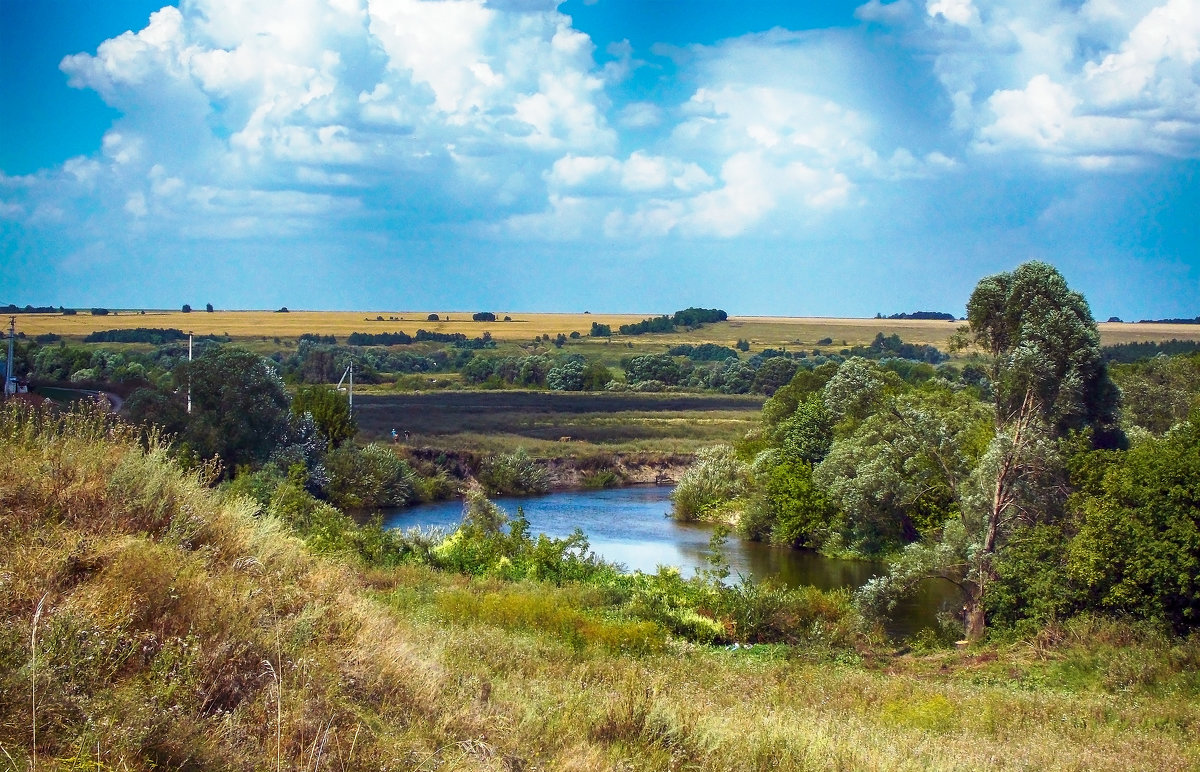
(148, 623)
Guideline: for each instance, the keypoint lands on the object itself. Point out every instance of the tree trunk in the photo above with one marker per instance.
(975, 624)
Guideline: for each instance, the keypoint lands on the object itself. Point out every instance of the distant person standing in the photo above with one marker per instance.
(395, 437)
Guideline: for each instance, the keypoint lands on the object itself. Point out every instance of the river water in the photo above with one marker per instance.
(632, 527)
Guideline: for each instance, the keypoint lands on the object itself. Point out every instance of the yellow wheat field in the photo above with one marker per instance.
(761, 331)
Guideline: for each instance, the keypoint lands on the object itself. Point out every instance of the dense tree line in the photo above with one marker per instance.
(1171, 321)
(940, 316)
(28, 309)
(690, 318)
(654, 324)
(892, 346)
(695, 317)
(153, 335)
(401, 338)
(1128, 353)
(567, 373)
(1027, 478)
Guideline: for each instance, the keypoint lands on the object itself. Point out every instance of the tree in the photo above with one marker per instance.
(1137, 551)
(566, 376)
(595, 376)
(785, 506)
(484, 316)
(1158, 393)
(808, 433)
(330, 411)
(186, 308)
(775, 373)
(904, 470)
(208, 307)
(154, 407)
(1048, 378)
(1043, 351)
(367, 478)
(654, 367)
(239, 408)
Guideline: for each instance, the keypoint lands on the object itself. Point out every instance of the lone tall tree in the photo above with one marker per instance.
(1048, 378)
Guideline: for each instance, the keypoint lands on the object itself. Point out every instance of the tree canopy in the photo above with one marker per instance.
(239, 406)
(1043, 346)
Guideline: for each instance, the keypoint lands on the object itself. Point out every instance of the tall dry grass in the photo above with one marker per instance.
(162, 601)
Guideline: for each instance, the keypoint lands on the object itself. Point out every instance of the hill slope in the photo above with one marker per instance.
(167, 627)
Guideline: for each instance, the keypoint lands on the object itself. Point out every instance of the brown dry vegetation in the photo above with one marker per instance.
(496, 421)
(183, 631)
(762, 332)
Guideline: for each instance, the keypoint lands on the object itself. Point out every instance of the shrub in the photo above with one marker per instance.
(567, 376)
(602, 478)
(710, 485)
(515, 474)
(368, 477)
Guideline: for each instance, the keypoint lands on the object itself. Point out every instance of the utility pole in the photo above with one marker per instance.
(349, 372)
(189, 407)
(10, 386)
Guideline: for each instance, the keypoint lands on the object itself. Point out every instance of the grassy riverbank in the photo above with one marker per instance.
(148, 622)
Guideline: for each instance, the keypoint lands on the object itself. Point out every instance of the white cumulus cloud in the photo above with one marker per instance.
(1100, 84)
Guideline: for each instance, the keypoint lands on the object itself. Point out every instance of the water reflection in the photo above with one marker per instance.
(631, 526)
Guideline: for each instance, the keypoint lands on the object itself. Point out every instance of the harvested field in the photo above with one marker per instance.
(761, 331)
(540, 420)
(271, 324)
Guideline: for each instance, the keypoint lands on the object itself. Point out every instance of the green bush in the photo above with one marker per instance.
(514, 474)
(368, 477)
(711, 485)
(601, 478)
(489, 542)
(786, 507)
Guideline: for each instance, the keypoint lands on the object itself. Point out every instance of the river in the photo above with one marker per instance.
(631, 526)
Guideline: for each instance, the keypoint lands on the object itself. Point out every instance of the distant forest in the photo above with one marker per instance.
(936, 315)
(1171, 321)
(1127, 353)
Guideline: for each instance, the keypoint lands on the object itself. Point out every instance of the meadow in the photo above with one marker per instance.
(761, 331)
(149, 622)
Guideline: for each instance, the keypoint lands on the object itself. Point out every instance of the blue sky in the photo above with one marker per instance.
(787, 158)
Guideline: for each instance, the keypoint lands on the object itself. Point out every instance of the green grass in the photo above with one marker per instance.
(164, 602)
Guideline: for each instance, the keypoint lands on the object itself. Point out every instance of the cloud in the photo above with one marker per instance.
(781, 135)
(884, 13)
(640, 115)
(1098, 84)
(439, 109)
(639, 173)
(960, 12)
(386, 127)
